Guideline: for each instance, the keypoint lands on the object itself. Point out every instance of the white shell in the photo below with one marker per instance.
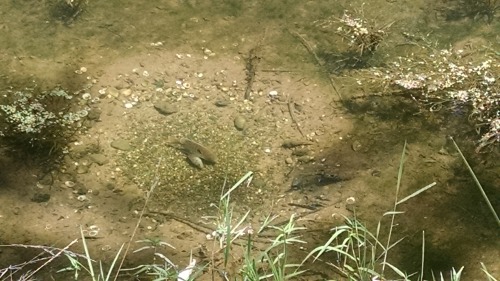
(350, 200)
(69, 183)
(195, 160)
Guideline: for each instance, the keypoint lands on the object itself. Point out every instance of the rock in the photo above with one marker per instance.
(126, 92)
(94, 114)
(300, 152)
(356, 145)
(289, 160)
(99, 159)
(121, 144)
(221, 103)
(165, 108)
(305, 159)
(47, 179)
(40, 197)
(112, 91)
(82, 169)
(240, 122)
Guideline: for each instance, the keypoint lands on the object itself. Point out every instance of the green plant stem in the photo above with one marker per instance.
(148, 195)
(398, 185)
(478, 184)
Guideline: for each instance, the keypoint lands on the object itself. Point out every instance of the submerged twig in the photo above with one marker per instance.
(251, 67)
(292, 115)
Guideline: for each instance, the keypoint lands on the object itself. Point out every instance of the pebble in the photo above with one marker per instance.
(356, 145)
(289, 160)
(40, 197)
(165, 108)
(240, 122)
(305, 159)
(69, 184)
(121, 144)
(112, 91)
(99, 159)
(300, 152)
(82, 169)
(126, 92)
(94, 114)
(221, 103)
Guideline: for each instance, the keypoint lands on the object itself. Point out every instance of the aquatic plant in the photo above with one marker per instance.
(40, 122)
(361, 35)
(457, 80)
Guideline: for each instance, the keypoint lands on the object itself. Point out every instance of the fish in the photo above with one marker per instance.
(194, 149)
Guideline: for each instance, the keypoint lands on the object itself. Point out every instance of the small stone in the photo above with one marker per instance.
(289, 161)
(40, 197)
(94, 114)
(305, 159)
(221, 103)
(99, 159)
(196, 161)
(356, 145)
(69, 184)
(300, 152)
(46, 179)
(82, 169)
(126, 92)
(240, 122)
(121, 144)
(165, 108)
(112, 91)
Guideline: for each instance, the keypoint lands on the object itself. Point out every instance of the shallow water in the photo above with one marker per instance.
(110, 38)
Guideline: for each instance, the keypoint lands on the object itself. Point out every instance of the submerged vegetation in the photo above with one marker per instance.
(459, 81)
(40, 123)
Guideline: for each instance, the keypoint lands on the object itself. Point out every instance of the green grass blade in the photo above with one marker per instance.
(423, 256)
(416, 193)
(478, 184)
(114, 262)
(398, 186)
(244, 178)
(87, 255)
(490, 277)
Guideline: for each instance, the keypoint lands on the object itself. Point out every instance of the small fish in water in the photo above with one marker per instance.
(196, 153)
(198, 150)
